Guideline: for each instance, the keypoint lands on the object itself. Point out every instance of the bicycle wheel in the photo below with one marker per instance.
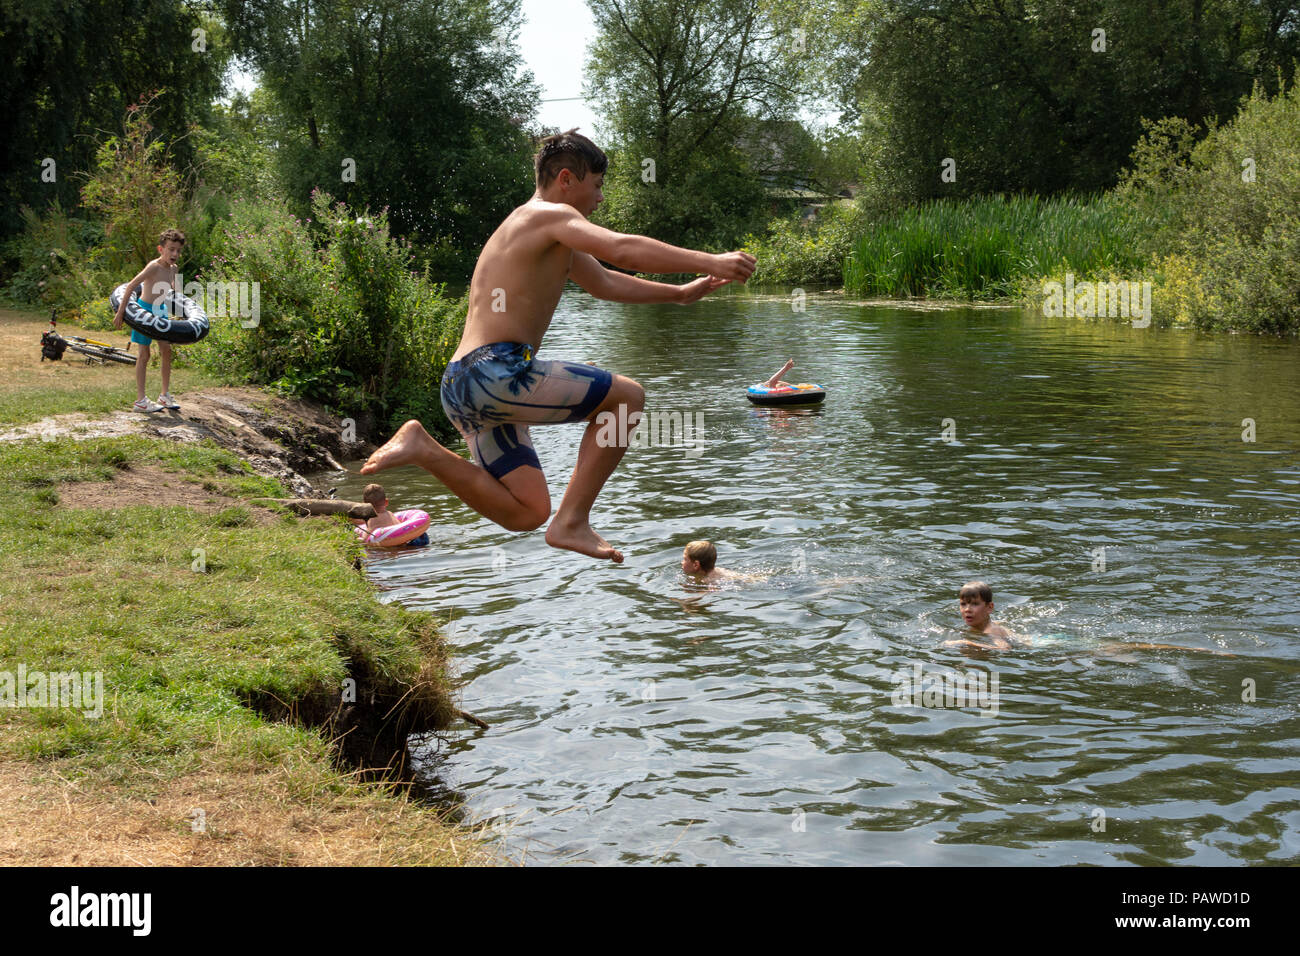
(88, 352)
(112, 354)
(107, 354)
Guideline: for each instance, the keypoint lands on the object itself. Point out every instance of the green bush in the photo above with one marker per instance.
(813, 252)
(1227, 244)
(50, 259)
(343, 318)
(137, 194)
(73, 263)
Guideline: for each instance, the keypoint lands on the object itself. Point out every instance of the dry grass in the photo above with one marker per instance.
(49, 820)
(31, 389)
(144, 482)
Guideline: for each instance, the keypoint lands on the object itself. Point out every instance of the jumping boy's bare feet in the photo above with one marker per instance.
(578, 536)
(412, 445)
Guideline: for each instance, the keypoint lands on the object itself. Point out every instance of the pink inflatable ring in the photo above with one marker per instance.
(410, 525)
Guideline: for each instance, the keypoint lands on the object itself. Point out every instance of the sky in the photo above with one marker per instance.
(553, 41)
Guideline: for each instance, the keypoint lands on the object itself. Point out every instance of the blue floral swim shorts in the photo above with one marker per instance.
(495, 392)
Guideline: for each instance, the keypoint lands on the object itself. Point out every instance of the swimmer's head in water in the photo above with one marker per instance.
(976, 603)
(699, 557)
(374, 496)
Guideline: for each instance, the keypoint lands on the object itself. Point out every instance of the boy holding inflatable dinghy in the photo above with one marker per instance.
(495, 387)
(156, 282)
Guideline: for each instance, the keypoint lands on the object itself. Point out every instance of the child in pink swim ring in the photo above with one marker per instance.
(372, 531)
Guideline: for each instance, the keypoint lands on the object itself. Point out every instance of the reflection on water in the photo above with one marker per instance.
(1095, 475)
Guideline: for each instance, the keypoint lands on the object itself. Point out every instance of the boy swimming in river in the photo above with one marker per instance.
(495, 387)
(375, 496)
(699, 561)
(976, 600)
(775, 380)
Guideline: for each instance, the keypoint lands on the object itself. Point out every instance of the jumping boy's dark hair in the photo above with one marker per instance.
(171, 235)
(974, 589)
(571, 151)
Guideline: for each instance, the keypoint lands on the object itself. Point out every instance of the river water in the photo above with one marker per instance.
(1114, 486)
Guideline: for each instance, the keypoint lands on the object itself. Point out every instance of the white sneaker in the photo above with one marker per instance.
(166, 400)
(144, 405)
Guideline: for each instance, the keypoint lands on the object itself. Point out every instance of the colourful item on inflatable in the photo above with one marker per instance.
(173, 318)
(410, 525)
(801, 394)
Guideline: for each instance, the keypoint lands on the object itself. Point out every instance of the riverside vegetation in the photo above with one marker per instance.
(348, 320)
(1211, 222)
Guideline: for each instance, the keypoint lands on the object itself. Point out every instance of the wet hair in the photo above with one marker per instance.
(703, 552)
(571, 151)
(171, 235)
(976, 589)
(373, 494)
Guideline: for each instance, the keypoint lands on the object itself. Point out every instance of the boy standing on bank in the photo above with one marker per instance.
(156, 282)
(495, 388)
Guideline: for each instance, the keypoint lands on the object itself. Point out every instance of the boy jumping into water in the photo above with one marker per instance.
(495, 386)
(156, 281)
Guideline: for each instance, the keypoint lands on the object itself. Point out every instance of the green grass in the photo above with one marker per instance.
(48, 464)
(279, 615)
(990, 247)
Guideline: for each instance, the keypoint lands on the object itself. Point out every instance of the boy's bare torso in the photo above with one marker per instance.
(517, 282)
(381, 521)
(159, 280)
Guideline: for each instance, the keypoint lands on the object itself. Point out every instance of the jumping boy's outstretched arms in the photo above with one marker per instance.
(640, 253)
(617, 287)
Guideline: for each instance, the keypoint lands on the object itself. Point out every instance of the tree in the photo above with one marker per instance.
(417, 105)
(692, 94)
(1035, 95)
(71, 71)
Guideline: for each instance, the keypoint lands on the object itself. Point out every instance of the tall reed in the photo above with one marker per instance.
(988, 247)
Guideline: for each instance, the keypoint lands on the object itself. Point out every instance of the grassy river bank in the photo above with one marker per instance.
(252, 682)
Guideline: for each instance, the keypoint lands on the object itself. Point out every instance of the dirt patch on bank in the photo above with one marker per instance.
(279, 437)
(150, 485)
